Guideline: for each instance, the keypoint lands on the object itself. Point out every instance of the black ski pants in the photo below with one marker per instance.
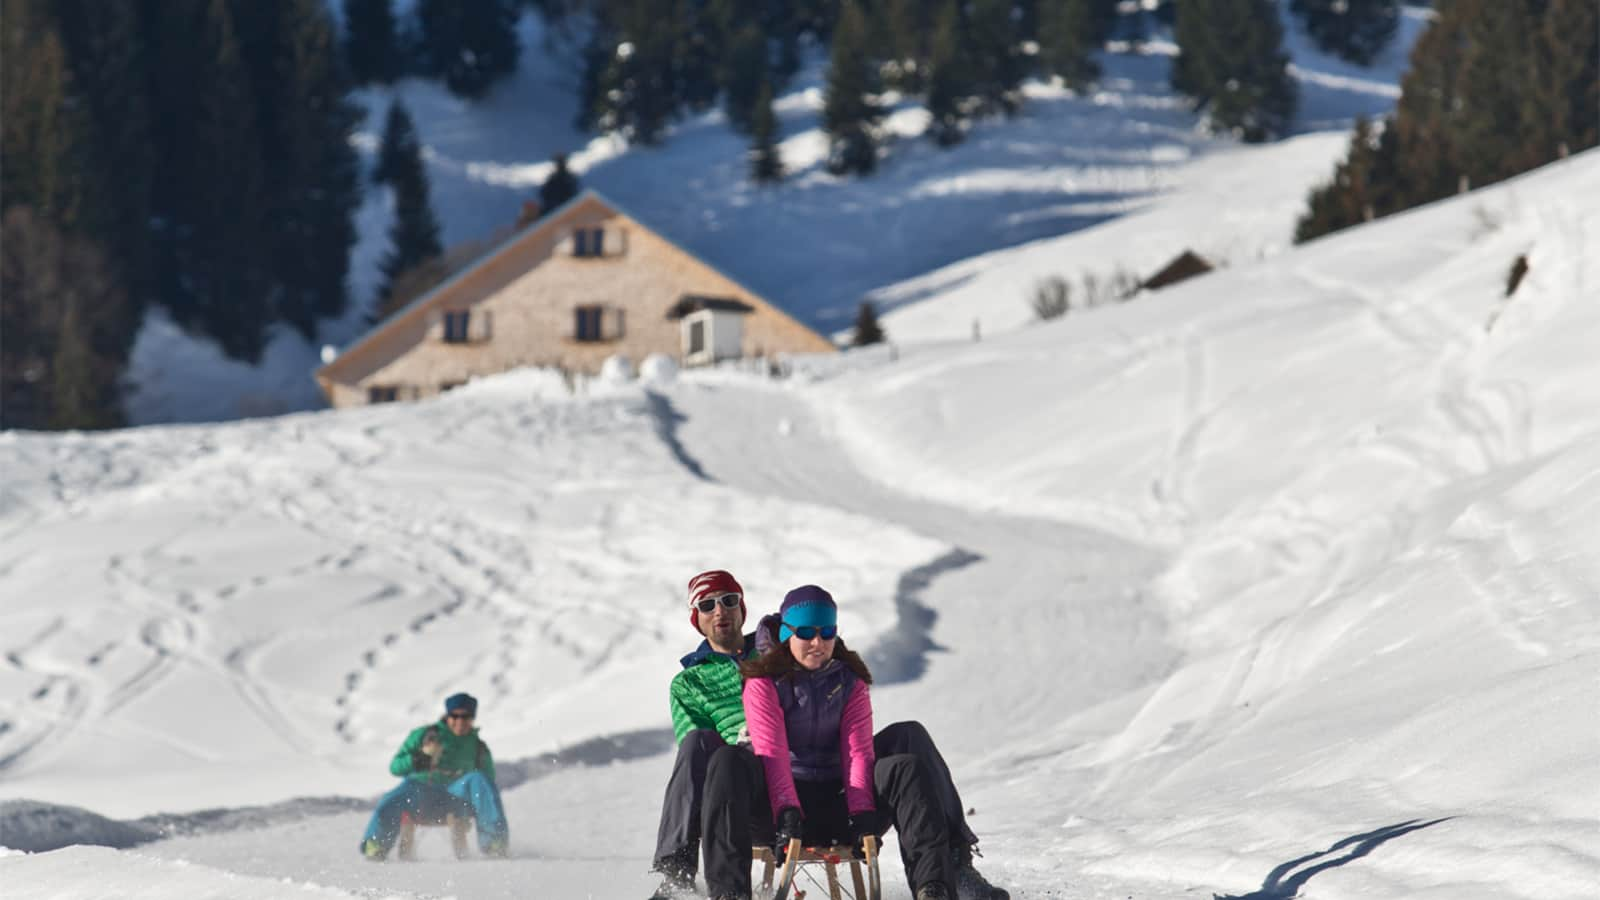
(736, 812)
(678, 835)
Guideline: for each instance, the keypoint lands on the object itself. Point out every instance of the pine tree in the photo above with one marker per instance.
(558, 187)
(42, 141)
(371, 42)
(1356, 30)
(470, 45)
(636, 92)
(766, 162)
(62, 309)
(414, 235)
(1231, 61)
(1564, 109)
(913, 26)
(867, 330)
(1066, 42)
(744, 75)
(849, 112)
(312, 174)
(947, 121)
(994, 61)
(1362, 188)
(399, 144)
(698, 56)
(110, 74)
(224, 289)
(1494, 63)
(1495, 87)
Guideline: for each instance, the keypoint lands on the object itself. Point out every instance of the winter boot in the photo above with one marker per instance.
(933, 890)
(372, 850)
(677, 876)
(970, 883)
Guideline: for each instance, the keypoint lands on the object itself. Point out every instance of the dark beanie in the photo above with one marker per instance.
(806, 605)
(462, 700)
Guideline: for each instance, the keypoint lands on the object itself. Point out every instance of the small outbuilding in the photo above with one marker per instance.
(1186, 265)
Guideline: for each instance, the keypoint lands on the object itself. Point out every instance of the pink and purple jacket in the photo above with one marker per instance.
(814, 726)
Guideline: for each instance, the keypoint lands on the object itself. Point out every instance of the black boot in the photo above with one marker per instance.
(970, 883)
(677, 875)
(933, 890)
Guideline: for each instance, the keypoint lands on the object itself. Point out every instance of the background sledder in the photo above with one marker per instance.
(449, 778)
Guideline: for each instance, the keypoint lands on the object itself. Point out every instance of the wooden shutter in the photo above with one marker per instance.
(435, 325)
(480, 328)
(612, 330)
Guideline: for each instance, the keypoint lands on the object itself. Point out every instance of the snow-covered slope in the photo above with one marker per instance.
(1282, 581)
(815, 244)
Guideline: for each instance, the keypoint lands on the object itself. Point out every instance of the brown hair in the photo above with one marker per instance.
(779, 662)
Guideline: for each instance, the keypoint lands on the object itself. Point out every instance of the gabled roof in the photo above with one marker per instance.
(1184, 266)
(516, 237)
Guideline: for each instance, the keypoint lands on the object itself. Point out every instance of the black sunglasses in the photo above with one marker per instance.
(808, 632)
(461, 715)
(710, 603)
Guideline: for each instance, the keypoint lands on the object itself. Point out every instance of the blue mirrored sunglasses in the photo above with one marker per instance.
(809, 632)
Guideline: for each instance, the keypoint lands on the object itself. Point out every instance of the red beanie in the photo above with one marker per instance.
(710, 584)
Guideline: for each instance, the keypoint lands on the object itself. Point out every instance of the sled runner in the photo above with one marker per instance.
(458, 826)
(804, 861)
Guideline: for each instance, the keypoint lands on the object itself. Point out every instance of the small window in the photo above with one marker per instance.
(589, 242)
(589, 322)
(697, 337)
(448, 386)
(455, 326)
(383, 394)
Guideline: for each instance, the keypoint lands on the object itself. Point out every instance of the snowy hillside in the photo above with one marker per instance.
(1280, 582)
(816, 244)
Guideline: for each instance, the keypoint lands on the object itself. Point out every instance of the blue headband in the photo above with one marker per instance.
(817, 614)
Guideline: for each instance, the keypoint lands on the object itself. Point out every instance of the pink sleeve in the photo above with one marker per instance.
(769, 738)
(856, 751)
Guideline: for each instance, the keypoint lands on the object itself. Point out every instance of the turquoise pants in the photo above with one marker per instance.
(472, 794)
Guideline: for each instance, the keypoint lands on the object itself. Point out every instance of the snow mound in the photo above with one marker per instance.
(658, 368)
(36, 827)
(617, 369)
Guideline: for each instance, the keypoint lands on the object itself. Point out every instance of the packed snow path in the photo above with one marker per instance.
(771, 440)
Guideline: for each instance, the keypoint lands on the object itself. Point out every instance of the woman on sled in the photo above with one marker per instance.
(810, 770)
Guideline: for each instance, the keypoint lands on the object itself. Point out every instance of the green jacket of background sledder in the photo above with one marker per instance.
(461, 755)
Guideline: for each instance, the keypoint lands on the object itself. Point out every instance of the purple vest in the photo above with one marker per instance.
(813, 707)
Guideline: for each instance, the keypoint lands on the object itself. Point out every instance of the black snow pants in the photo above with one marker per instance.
(736, 812)
(678, 835)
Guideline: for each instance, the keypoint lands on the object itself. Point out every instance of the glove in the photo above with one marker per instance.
(866, 822)
(789, 826)
(420, 762)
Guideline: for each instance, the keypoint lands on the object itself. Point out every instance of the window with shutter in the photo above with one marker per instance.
(588, 323)
(456, 326)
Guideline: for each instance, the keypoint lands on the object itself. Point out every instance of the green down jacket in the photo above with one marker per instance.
(461, 755)
(709, 693)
